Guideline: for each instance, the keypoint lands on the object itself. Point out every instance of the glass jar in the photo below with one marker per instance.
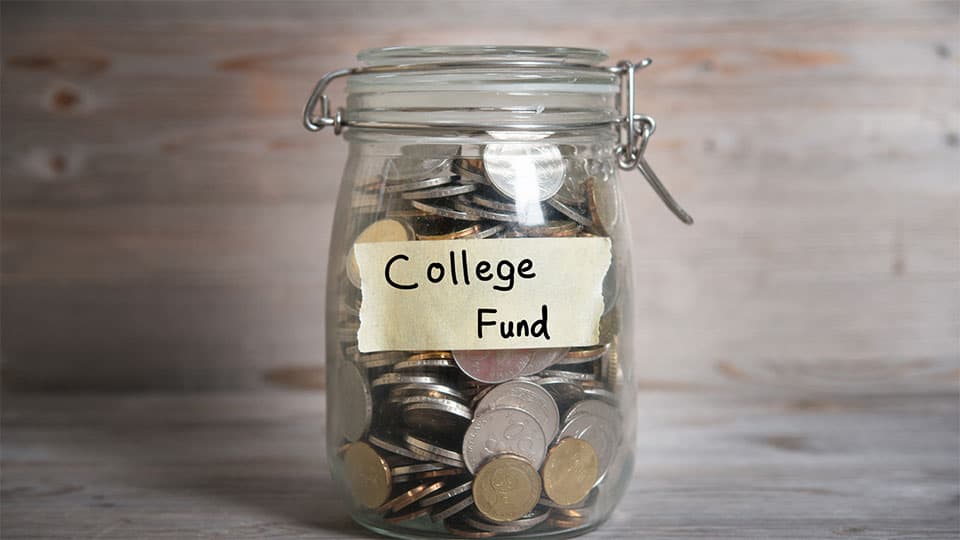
(479, 340)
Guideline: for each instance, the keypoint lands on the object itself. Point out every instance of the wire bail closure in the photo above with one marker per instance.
(634, 129)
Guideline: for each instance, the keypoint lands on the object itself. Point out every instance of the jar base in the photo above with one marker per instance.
(432, 530)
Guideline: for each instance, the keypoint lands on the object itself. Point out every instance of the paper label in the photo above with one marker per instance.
(506, 293)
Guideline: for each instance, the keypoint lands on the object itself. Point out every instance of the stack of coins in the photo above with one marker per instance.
(481, 443)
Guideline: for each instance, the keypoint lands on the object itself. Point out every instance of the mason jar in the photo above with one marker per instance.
(480, 361)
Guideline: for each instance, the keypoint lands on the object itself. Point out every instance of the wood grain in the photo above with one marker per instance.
(708, 465)
(165, 219)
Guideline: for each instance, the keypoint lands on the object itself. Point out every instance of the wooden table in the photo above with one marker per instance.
(710, 464)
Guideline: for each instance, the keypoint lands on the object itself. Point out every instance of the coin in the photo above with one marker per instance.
(425, 363)
(503, 430)
(433, 390)
(466, 232)
(434, 415)
(527, 396)
(556, 229)
(420, 477)
(396, 378)
(356, 400)
(367, 475)
(393, 448)
(439, 210)
(570, 212)
(484, 213)
(581, 355)
(385, 230)
(419, 160)
(407, 498)
(506, 488)
(415, 185)
(453, 508)
(493, 366)
(524, 172)
(570, 471)
(600, 432)
(448, 494)
(569, 375)
(439, 192)
(603, 200)
(541, 359)
(528, 521)
(416, 468)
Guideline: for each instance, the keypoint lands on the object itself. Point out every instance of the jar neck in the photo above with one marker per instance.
(532, 89)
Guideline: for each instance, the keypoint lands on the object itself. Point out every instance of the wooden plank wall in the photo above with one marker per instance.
(165, 218)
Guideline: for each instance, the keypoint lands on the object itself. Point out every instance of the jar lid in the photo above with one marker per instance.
(487, 53)
(493, 88)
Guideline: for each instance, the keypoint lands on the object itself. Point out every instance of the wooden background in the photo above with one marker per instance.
(165, 218)
(165, 223)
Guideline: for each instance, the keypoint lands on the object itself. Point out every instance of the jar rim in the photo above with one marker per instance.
(480, 53)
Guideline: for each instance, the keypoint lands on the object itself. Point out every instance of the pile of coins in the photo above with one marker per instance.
(482, 443)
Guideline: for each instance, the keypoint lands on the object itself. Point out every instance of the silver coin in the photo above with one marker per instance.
(444, 211)
(377, 359)
(493, 204)
(448, 494)
(596, 430)
(356, 400)
(528, 521)
(416, 468)
(602, 394)
(504, 430)
(439, 192)
(434, 415)
(417, 443)
(527, 396)
(425, 455)
(396, 378)
(400, 187)
(484, 212)
(596, 408)
(541, 359)
(393, 448)
(453, 509)
(493, 366)
(565, 391)
(488, 232)
(427, 389)
(524, 172)
(569, 375)
(574, 189)
(570, 212)
(419, 160)
(425, 363)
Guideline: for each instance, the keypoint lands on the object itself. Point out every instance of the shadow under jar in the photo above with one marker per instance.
(479, 341)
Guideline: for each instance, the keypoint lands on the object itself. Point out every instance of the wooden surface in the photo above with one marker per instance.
(251, 465)
(165, 218)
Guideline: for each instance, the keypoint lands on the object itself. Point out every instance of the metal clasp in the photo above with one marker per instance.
(638, 128)
(314, 122)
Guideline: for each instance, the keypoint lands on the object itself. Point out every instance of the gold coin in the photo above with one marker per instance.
(506, 488)
(367, 474)
(385, 230)
(603, 201)
(570, 471)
